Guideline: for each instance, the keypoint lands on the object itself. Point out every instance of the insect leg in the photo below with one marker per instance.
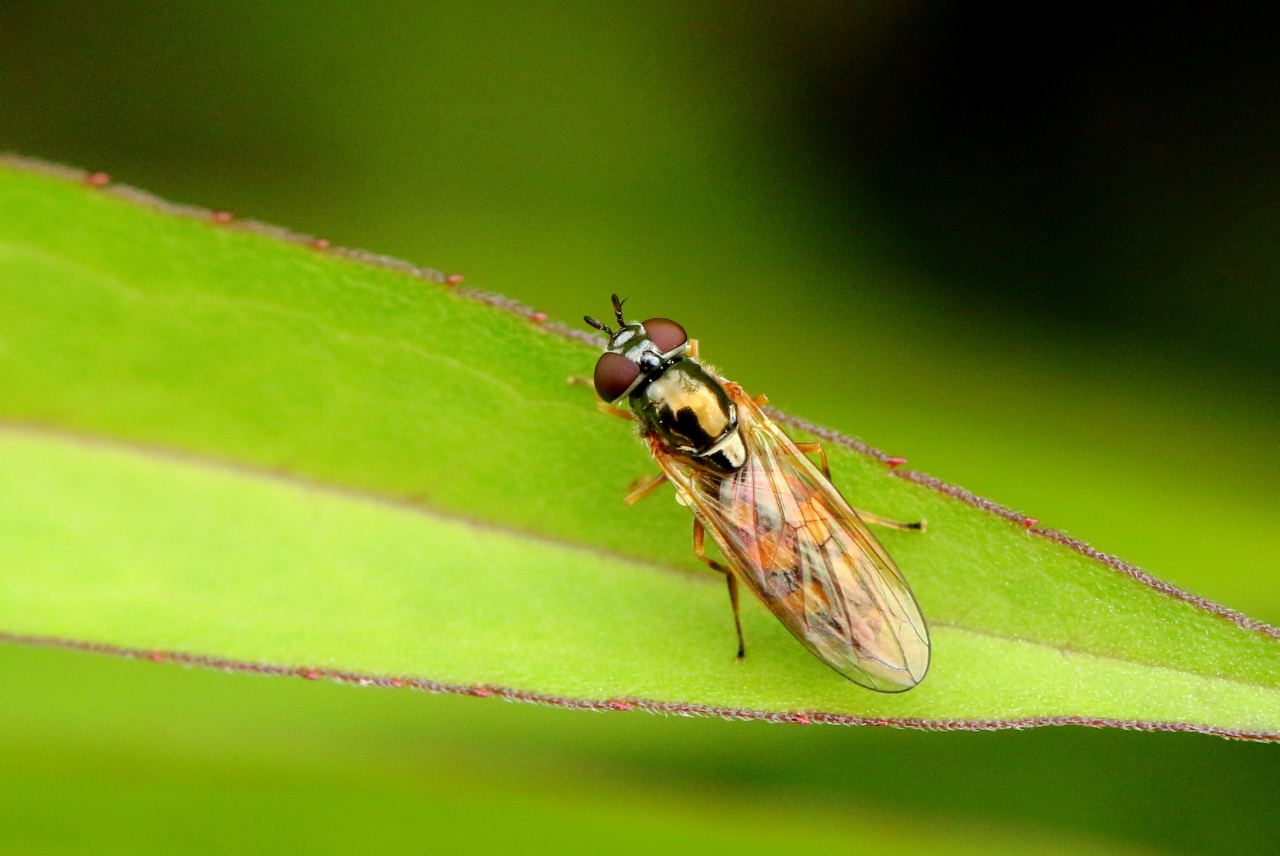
(644, 486)
(809, 449)
(868, 517)
(692, 350)
(605, 407)
(602, 406)
(699, 550)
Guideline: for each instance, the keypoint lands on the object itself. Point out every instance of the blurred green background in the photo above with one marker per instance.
(1036, 255)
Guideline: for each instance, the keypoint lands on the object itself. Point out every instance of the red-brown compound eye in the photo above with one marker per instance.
(665, 333)
(614, 373)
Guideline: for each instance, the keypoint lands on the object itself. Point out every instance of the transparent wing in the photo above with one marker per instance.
(789, 535)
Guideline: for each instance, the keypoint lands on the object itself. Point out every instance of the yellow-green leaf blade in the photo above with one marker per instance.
(157, 554)
(176, 333)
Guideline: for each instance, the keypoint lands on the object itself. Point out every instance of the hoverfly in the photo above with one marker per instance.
(786, 532)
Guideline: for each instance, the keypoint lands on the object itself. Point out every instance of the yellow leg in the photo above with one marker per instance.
(699, 550)
(644, 486)
(811, 448)
(877, 520)
(692, 350)
(761, 400)
(602, 406)
(605, 407)
(867, 516)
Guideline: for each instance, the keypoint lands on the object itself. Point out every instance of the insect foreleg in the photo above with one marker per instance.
(644, 486)
(691, 350)
(602, 406)
(605, 407)
(699, 550)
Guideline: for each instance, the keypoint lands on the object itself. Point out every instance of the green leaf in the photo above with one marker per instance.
(225, 444)
(111, 756)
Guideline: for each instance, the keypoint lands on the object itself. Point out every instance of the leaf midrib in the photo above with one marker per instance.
(237, 468)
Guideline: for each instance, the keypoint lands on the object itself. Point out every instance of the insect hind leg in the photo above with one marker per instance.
(699, 550)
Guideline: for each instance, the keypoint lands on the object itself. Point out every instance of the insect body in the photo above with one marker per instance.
(786, 532)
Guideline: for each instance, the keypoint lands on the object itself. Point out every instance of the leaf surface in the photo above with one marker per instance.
(227, 444)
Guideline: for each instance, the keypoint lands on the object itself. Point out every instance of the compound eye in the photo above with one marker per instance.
(614, 374)
(665, 333)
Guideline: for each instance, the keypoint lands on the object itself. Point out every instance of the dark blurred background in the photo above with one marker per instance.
(1033, 250)
(1101, 170)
